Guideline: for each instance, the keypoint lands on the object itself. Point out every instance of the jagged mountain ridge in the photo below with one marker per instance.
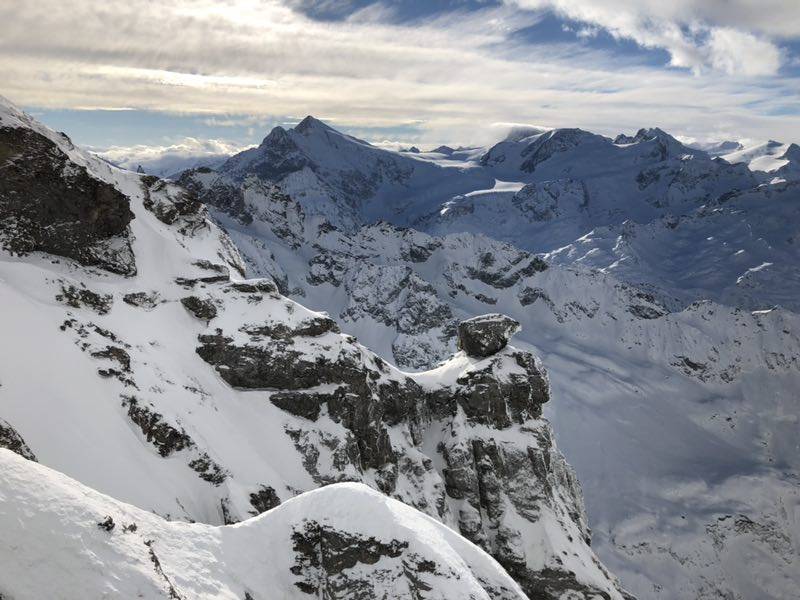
(716, 375)
(343, 179)
(542, 192)
(181, 388)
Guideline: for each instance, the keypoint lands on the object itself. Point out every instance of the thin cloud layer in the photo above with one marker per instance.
(451, 74)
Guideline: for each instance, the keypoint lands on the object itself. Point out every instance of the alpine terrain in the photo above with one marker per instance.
(201, 399)
(174, 429)
(657, 282)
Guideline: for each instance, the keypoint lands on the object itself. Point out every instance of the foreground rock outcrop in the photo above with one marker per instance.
(464, 443)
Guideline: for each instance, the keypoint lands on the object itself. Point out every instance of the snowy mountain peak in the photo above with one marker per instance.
(792, 153)
(444, 149)
(276, 135)
(671, 145)
(310, 124)
(520, 132)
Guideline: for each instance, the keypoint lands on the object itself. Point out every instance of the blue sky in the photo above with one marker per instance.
(137, 74)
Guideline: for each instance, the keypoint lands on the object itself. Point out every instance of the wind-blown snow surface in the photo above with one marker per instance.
(677, 376)
(55, 547)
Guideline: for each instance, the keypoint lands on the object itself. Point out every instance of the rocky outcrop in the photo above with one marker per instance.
(173, 205)
(9, 438)
(336, 564)
(199, 307)
(486, 335)
(169, 439)
(50, 204)
(469, 448)
(502, 390)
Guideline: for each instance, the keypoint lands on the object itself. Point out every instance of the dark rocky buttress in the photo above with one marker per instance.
(469, 449)
(49, 203)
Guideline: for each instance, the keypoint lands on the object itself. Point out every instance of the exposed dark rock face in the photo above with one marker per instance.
(116, 354)
(203, 309)
(191, 282)
(208, 470)
(493, 478)
(174, 204)
(277, 366)
(50, 204)
(255, 286)
(549, 144)
(142, 299)
(82, 297)
(529, 295)
(486, 335)
(10, 439)
(493, 486)
(227, 198)
(645, 312)
(263, 500)
(419, 253)
(509, 388)
(168, 440)
(527, 266)
(331, 564)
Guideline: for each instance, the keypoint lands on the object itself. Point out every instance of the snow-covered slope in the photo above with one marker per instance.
(654, 311)
(62, 540)
(742, 251)
(766, 156)
(145, 367)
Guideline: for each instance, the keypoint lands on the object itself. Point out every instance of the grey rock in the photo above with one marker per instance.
(263, 500)
(354, 418)
(203, 309)
(10, 439)
(486, 335)
(50, 204)
(642, 311)
(142, 299)
(82, 297)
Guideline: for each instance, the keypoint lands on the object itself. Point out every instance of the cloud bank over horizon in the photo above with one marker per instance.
(433, 72)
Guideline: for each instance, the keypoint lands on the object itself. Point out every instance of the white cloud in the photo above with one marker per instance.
(732, 51)
(452, 73)
(729, 35)
(169, 159)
